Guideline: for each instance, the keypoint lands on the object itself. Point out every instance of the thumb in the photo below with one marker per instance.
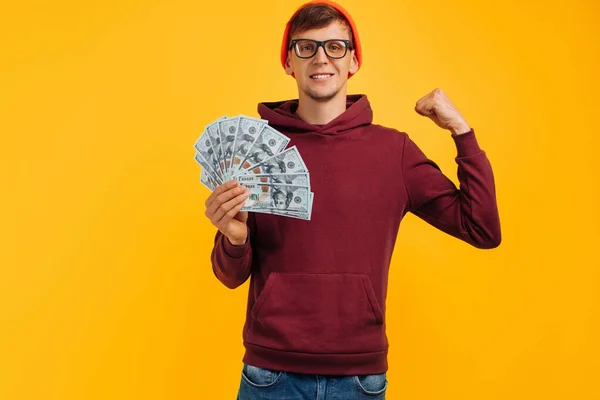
(424, 110)
(242, 216)
(425, 106)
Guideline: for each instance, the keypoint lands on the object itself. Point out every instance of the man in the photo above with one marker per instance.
(315, 321)
(282, 199)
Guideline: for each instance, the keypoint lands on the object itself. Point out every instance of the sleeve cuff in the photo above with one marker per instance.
(466, 144)
(234, 251)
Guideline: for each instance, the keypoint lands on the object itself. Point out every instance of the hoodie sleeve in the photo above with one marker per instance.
(469, 214)
(232, 264)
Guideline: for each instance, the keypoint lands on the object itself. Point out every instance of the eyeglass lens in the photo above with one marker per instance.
(306, 48)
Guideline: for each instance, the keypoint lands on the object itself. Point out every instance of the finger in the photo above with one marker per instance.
(241, 216)
(224, 198)
(225, 214)
(227, 206)
(425, 110)
(426, 106)
(219, 190)
(422, 99)
(231, 214)
(419, 109)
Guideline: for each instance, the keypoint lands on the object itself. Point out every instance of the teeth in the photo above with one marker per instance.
(320, 76)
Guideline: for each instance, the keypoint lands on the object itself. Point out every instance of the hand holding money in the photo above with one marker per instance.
(223, 209)
(252, 153)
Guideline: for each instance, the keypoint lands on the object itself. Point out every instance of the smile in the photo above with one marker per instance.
(321, 77)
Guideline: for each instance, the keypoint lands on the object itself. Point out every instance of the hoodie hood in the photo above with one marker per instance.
(282, 116)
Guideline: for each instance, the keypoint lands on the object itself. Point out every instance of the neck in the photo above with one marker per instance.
(321, 113)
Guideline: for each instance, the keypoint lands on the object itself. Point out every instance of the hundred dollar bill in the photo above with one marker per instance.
(204, 146)
(249, 130)
(212, 130)
(208, 181)
(304, 216)
(268, 143)
(206, 167)
(284, 198)
(286, 162)
(302, 179)
(301, 215)
(228, 129)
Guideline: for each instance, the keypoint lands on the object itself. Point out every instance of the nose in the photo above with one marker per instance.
(320, 57)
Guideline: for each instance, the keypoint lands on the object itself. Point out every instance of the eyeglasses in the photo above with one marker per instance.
(307, 48)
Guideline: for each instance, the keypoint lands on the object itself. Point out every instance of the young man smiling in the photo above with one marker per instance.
(316, 322)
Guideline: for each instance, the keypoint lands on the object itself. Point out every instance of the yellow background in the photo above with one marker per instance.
(106, 289)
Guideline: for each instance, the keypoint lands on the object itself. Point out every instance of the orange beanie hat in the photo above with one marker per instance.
(356, 41)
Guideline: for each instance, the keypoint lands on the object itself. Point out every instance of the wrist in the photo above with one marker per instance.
(461, 129)
(236, 241)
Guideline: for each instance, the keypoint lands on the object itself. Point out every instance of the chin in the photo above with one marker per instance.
(321, 96)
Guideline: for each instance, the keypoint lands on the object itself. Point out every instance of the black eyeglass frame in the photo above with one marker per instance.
(321, 43)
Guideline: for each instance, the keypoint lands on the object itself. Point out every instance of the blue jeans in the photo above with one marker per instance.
(263, 384)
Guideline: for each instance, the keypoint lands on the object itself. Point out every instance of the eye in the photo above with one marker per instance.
(305, 47)
(336, 47)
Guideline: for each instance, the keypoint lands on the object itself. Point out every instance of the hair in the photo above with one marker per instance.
(287, 195)
(315, 16)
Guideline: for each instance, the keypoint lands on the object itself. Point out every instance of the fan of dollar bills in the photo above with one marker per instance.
(252, 152)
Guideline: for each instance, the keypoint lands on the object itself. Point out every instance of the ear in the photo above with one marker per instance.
(353, 63)
(288, 64)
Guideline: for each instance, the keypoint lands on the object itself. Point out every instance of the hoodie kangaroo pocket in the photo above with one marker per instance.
(318, 313)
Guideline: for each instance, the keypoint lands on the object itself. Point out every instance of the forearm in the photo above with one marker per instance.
(478, 220)
(231, 263)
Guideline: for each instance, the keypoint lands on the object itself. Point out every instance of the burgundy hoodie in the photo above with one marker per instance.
(316, 302)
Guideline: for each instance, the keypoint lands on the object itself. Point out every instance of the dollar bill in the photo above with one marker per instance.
(283, 198)
(269, 143)
(206, 167)
(208, 181)
(228, 129)
(248, 131)
(204, 146)
(301, 215)
(301, 179)
(286, 162)
(251, 151)
(215, 138)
